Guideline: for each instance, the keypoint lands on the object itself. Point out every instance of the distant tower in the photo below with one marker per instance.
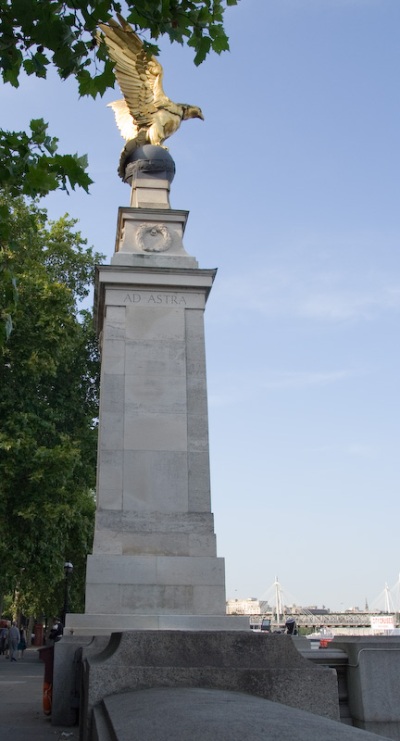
(366, 608)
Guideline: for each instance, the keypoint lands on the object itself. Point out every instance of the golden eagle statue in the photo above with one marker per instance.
(145, 115)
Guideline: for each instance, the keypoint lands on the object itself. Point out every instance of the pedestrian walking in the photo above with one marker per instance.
(3, 640)
(56, 631)
(13, 640)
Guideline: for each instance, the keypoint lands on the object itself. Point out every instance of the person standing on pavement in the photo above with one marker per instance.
(13, 640)
(56, 631)
(21, 643)
(3, 640)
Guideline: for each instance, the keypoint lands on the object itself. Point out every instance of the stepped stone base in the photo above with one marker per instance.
(101, 624)
(149, 584)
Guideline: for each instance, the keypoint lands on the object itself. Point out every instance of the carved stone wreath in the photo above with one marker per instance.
(153, 238)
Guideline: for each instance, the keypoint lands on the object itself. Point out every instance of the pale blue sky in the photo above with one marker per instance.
(292, 183)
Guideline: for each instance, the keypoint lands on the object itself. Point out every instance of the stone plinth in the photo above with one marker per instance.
(149, 170)
(154, 562)
(152, 238)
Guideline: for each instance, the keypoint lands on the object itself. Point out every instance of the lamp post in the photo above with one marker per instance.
(68, 569)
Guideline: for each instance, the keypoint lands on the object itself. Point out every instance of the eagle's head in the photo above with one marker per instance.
(192, 111)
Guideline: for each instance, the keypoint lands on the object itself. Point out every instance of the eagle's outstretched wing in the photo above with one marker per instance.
(124, 119)
(139, 76)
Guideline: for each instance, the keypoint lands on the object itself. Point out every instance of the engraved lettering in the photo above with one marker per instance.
(132, 298)
(168, 299)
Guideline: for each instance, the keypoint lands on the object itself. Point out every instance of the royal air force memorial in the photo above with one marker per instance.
(154, 563)
(155, 587)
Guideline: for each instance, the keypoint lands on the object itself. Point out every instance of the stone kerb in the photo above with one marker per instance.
(264, 666)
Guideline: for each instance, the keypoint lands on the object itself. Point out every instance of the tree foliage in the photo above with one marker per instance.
(36, 34)
(48, 407)
(30, 166)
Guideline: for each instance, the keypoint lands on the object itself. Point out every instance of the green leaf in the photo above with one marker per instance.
(203, 47)
(89, 85)
(11, 76)
(31, 165)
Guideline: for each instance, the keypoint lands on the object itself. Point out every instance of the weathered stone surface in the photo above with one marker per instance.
(163, 714)
(373, 682)
(105, 624)
(150, 584)
(64, 708)
(153, 234)
(266, 666)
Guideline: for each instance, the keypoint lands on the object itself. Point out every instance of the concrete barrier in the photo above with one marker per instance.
(373, 682)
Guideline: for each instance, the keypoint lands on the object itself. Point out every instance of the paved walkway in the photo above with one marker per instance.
(21, 713)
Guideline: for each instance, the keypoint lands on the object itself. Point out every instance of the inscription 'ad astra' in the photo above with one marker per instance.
(168, 299)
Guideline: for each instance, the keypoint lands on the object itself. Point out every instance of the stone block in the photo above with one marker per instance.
(155, 431)
(154, 523)
(199, 482)
(151, 261)
(202, 714)
(102, 624)
(115, 570)
(170, 599)
(158, 544)
(64, 709)
(191, 571)
(113, 356)
(165, 359)
(110, 467)
(113, 393)
(102, 598)
(158, 322)
(373, 680)
(107, 542)
(154, 393)
(114, 324)
(197, 433)
(209, 599)
(111, 431)
(268, 667)
(186, 585)
(202, 545)
(155, 481)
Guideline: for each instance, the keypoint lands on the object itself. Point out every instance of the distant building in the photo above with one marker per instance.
(251, 606)
(317, 610)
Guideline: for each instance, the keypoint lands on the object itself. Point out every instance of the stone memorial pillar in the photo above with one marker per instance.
(154, 563)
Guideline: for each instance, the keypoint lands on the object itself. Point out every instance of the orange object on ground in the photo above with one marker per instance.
(47, 697)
